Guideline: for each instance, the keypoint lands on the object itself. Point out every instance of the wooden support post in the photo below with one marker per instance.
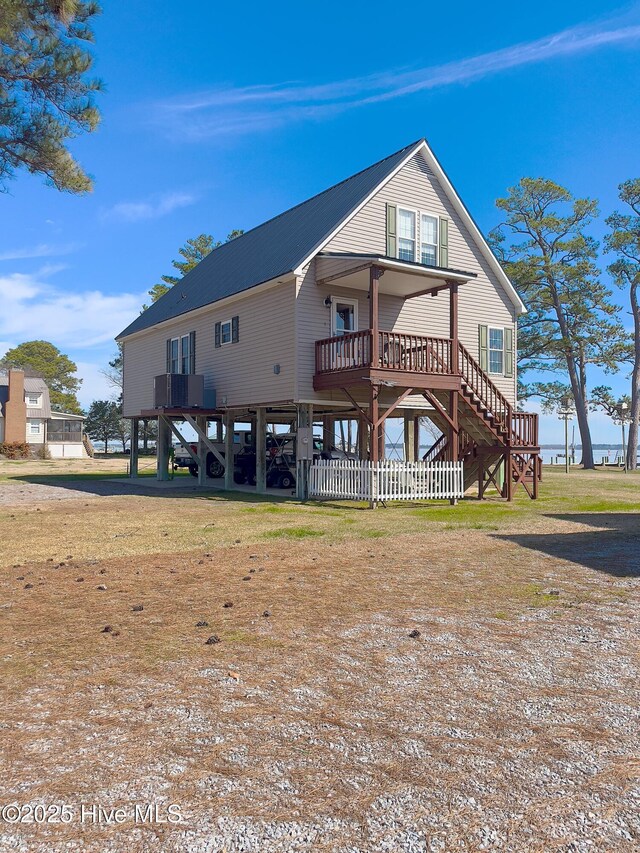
(454, 440)
(219, 438)
(416, 437)
(409, 436)
(229, 425)
(374, 321)
(363, 445)
(202, 452)
(374, 446)
(382, 433)
(453, 323)
(535, 470)
(133, 447)
(162, 452)
(261, 450)
(304, 426)
(508, 473)
(453, 426)
(328, 432)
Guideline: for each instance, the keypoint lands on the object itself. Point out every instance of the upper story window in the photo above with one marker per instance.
(34, 401)
(181, 354)
(406, 234)
(417, 236)
(227, 332)
(428, 240)
(496, 350)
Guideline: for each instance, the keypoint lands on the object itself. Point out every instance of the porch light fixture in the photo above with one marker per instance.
(327, 302)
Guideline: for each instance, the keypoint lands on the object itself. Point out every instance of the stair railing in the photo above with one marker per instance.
(490, 397)
(436, 449)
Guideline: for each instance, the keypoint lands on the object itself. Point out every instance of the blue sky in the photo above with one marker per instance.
(218, 118)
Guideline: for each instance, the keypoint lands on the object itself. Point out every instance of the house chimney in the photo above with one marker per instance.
(15, 409)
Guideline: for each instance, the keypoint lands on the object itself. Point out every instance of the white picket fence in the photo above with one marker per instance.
(387, 480)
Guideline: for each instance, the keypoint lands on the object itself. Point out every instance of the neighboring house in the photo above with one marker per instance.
(378, 297)
(26, 415)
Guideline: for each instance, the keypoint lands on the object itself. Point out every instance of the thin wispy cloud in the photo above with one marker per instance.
(235, 111)
(42, 250)
(137, 211)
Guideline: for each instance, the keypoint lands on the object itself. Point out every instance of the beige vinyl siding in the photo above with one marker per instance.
(481, 301)
(241, 372)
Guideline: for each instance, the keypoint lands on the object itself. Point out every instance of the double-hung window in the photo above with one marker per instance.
(496, 350)
(181, 354)
(406, 234)
(416, 236)
(174, 363)
(428, 240)
(184, 354)
(225, 332)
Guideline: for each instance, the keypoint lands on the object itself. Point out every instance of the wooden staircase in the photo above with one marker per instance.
(489, 433)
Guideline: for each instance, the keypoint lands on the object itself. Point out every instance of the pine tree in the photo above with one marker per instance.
(46, 97)
(193, 251)
(624, 240)
(571, 322)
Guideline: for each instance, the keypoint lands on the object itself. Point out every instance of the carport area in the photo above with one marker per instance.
(293, 436)
(277, 462)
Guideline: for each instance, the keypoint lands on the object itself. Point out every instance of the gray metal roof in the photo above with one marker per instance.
(274, 248)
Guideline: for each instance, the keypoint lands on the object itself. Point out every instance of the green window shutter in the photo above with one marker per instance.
(168, 355)
(483, 347)
(508, 351)
(235, 329)
(192, 352)
(218, 335)
(444, 242)
(392, 231)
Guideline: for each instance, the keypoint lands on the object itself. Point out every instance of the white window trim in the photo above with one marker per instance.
(34, 422)
(179, 339)
(36, 397)
(418, 213)
(416, 233)
(228, 323)
(181, 356)
(490, 348)
(344, 301)
(171, 361)
(437, 243)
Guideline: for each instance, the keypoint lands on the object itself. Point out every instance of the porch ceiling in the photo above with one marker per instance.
(401, 278)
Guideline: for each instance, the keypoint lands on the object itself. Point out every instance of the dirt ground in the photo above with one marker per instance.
(425, 678)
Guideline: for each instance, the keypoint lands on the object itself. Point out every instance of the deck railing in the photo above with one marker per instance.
(525, 429)
(428, 355)
(344, 352)
(396, 351)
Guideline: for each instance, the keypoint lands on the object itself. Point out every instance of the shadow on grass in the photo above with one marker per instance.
(613, 549)
(115, 485)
